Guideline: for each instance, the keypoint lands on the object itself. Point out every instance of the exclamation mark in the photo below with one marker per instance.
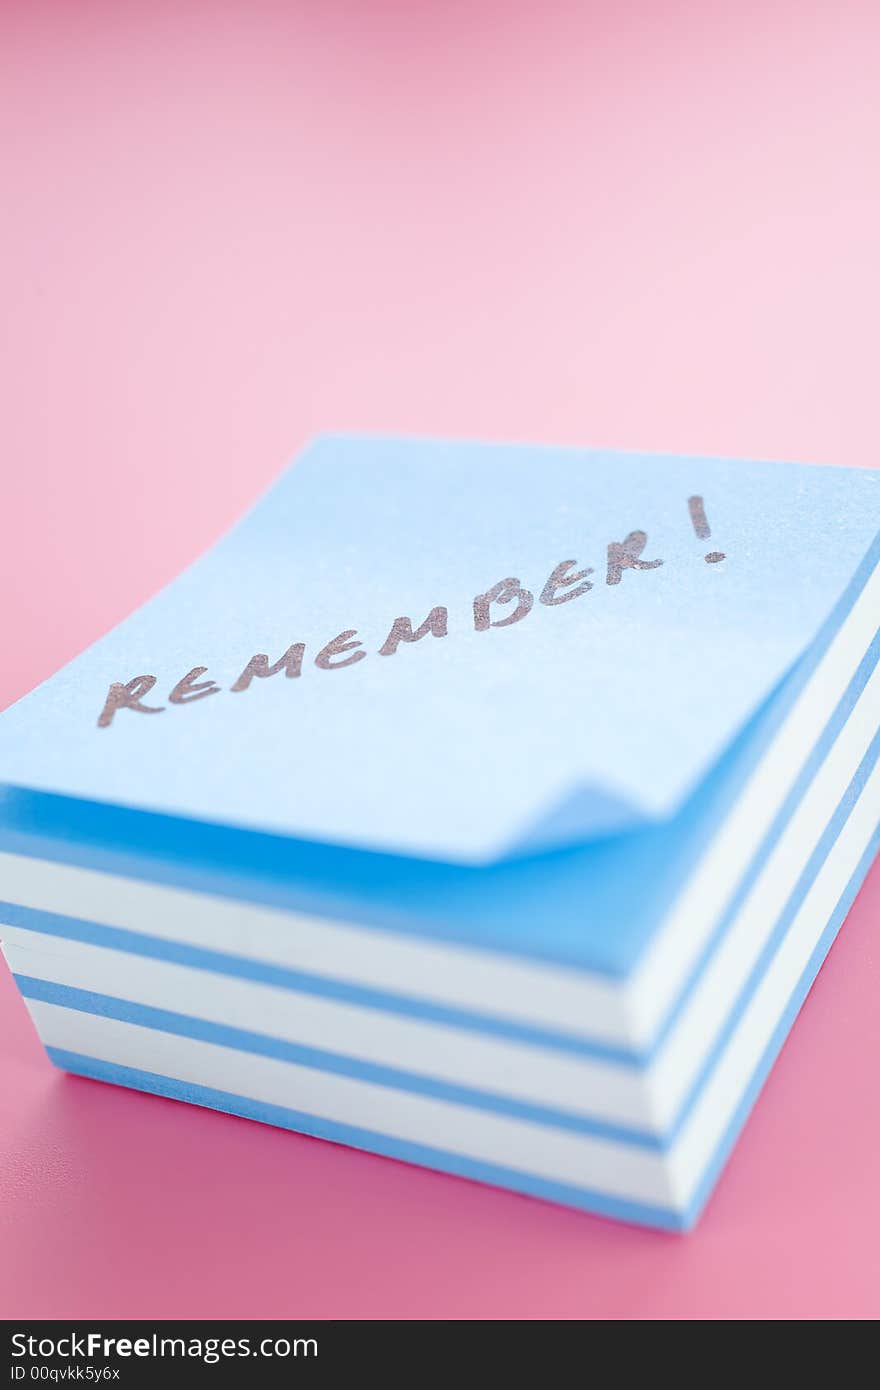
(702, 528)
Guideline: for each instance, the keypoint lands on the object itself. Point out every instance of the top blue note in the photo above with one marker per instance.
(596, 627)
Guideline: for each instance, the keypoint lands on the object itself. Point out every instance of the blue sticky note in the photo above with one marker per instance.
(457, 651)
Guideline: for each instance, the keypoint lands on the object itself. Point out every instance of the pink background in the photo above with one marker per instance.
(228, 225)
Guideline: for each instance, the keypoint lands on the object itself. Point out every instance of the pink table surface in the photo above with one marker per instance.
(227, 226)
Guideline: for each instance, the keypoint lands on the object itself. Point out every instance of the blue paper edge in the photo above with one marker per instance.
(244, 1040)
(589, 1200)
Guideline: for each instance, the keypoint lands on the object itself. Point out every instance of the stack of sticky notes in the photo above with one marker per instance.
(487, 807)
